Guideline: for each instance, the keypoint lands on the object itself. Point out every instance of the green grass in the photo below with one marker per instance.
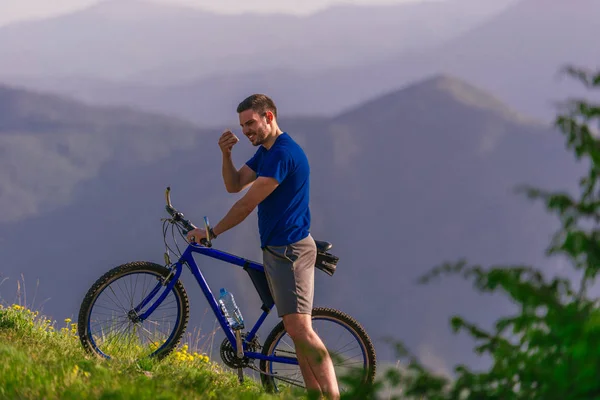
(42, 360)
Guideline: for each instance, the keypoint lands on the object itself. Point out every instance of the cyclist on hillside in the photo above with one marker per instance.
(278, 176)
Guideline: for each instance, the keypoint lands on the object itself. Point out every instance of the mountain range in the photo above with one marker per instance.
(399, 184)
(514, 49)
(146, 42)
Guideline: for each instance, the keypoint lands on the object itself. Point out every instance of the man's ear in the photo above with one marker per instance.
(269, 115)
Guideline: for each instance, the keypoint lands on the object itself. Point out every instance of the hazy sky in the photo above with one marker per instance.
(15, 10)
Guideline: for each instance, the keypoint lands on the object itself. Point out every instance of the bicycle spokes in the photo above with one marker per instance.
(346, 352)
(115, 325)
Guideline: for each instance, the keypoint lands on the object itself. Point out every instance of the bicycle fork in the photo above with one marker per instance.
(170, 281)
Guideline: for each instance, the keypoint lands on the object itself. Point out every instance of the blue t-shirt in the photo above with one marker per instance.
(284, 215)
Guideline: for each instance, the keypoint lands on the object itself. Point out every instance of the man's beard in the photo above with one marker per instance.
(260, 136)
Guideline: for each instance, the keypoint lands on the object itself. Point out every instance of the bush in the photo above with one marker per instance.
(551, 348)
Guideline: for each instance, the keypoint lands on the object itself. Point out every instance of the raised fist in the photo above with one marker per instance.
(227, 141)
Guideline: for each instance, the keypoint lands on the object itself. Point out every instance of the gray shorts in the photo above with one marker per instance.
(290, 272)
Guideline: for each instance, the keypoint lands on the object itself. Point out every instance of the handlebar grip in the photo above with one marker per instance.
(203, 242)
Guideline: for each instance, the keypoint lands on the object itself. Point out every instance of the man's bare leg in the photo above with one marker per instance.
(318, 369)
(309, 377)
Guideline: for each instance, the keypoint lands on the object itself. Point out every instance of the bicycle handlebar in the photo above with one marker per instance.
(178, 217)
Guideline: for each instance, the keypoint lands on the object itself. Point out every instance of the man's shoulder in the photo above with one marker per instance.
(288, 145)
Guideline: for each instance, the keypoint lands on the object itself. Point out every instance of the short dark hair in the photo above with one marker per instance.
(259, 103)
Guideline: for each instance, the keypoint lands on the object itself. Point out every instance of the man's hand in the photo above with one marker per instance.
(197, 234)
(227, 141)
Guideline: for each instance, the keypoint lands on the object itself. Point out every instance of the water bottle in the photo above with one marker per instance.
(231, 310)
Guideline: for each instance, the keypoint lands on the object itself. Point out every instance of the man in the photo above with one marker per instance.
(278, 177)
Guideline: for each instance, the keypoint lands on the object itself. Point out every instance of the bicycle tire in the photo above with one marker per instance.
(112, 276)
(330, 314)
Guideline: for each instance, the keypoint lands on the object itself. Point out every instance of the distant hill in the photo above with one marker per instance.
(417, 177)
(30, 111)
(517, 55)
(135, 41)
(50, 144)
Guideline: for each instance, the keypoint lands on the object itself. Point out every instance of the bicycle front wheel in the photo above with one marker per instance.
(347, 343)
(109, 325)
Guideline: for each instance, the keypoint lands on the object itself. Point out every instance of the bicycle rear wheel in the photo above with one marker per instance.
(108, 325)
(348, 344)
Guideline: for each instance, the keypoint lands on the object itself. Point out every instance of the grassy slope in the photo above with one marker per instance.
(42, 360)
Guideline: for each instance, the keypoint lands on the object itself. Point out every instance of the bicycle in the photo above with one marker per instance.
(239, 349)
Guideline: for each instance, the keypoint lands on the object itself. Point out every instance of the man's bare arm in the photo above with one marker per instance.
(231, 176)
(247, 176)
(236, 180)
(244, 206)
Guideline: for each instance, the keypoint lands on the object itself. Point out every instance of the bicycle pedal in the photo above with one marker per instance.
(241, 375)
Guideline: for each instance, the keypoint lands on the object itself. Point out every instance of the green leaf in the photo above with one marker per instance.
(456, 323)
(393, 376)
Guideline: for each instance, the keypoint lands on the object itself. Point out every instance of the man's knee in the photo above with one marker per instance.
(306, 340)
(298, 326)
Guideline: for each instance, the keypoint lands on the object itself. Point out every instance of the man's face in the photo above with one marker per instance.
(254, 126)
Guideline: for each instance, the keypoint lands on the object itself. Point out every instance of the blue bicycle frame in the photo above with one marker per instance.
(254, 269)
